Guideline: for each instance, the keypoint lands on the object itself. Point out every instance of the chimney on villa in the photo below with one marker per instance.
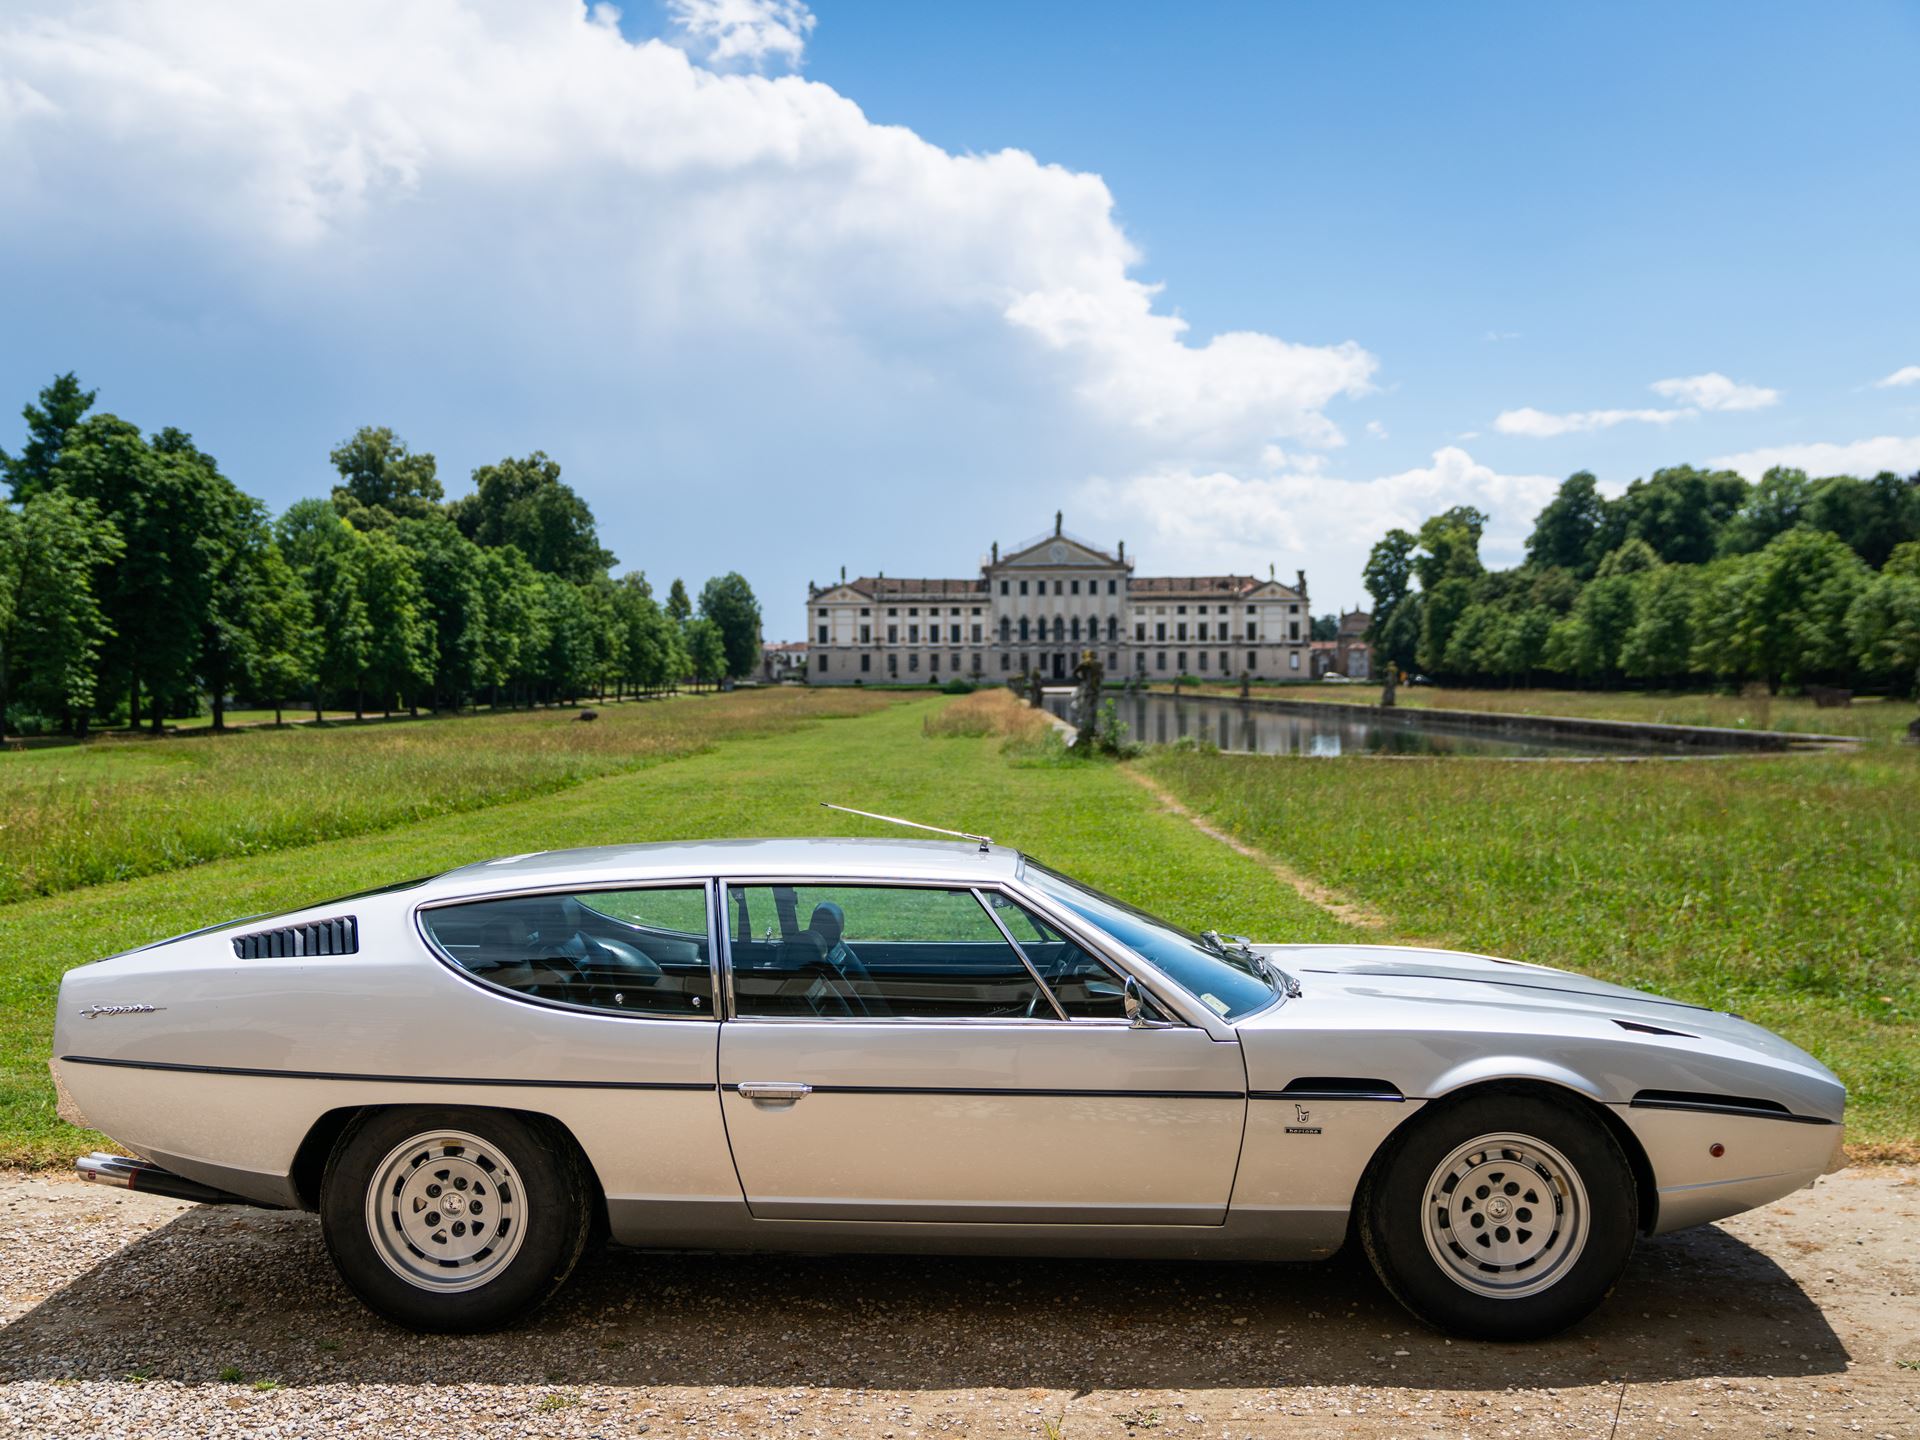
(1123, 552)
(996, 552)
(1058, 516)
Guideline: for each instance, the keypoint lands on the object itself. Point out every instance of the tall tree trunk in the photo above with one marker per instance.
(133, 701)
(219, 710)
(276, 714)
(360, 701)
(156, 714)
(319, 715)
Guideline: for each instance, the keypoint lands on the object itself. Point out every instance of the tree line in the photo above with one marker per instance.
(136, 579)
(1691, 576)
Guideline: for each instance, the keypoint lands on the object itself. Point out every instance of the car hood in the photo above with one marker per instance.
(1466, 986)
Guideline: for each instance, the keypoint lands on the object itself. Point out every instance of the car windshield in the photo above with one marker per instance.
(1231, 984)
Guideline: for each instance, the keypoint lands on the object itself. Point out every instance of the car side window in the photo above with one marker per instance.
(626, 952)
(872, 952)
(1083, 984)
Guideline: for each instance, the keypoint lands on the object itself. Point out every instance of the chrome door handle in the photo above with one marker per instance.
(781, 1091)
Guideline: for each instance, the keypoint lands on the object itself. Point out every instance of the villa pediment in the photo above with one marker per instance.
(1055, 551)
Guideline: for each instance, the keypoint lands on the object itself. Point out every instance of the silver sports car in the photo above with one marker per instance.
(848, 1045)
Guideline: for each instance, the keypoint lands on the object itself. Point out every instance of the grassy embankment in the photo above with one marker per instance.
(1785, 887)
(120, 807)
(765, 771)
(1868, 718)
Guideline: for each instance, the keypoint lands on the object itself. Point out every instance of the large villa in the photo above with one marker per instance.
(1042, 603)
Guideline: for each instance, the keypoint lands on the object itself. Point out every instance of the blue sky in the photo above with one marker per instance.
(763, 329)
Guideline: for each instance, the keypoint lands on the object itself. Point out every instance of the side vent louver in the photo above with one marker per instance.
(339, 936)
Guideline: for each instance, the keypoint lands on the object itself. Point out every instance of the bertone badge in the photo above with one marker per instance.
(91, 1011)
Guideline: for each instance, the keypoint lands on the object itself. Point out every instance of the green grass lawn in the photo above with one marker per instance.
(1870, 717)
(1786, 888)
(1088, 819)
(79, 815)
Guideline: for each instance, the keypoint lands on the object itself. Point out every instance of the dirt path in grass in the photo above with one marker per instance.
(131, 1314)
(1350, 912)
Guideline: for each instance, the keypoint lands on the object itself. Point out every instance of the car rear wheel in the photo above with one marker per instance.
(1503, 1217)
(454, 1220)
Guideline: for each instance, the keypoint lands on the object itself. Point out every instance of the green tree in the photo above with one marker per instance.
(323, 551)
(13, 559)
(237, 604)
(399, 655)
(1774, 506)
(1445, 604)
(524, 503)
(59, 626)
(647, 635)
(566, 664)
(1872, 516)
(1450, 547)
(516, 633)
(706, 652)
(1659, 643)
(1883, 623)
(62, 404)
(382, 481)
(455, 599)
(1324, 627)
(1680, 512)
(727, 600)
(285, 654)
(172, 508)
(1789, 617)
(679, 607)
(1565, 531)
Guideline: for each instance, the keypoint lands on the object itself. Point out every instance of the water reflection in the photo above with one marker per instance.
(1327, 730)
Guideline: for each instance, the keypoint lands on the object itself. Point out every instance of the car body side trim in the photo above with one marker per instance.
(1708, 1104)
(1328, 1088)
(178, 1066)
(1010, 1090)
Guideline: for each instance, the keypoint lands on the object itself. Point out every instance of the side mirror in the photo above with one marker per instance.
(1135, 1007)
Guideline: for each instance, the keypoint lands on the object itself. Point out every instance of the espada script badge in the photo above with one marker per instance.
(93, 1011)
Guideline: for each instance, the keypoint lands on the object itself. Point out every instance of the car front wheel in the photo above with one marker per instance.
(453, 1220)
(1502, 1217)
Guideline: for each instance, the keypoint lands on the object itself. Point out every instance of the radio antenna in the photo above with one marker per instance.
(986, 842)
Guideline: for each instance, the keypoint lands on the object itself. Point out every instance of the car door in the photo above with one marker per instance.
(891, 1055)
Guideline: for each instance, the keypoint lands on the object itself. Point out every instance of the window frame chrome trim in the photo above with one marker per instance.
(1186, 1011)
(703, 883)
(1033, 970)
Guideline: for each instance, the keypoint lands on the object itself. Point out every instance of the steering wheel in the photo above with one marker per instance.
(831, 995)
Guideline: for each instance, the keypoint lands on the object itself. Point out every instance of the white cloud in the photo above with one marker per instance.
(1202, 521)
(520, 188)
(1714, 391)
(1905, 375)
(1542, 424)
(1899, 453)
(744, 31)
(1376, 430)
(1495, 337)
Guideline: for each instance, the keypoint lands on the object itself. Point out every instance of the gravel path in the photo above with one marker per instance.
(128, 1314)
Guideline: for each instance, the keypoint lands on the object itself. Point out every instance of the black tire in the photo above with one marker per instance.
(1395, 1215)
(538, 1183)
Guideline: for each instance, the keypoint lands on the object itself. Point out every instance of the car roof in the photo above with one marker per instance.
(823, 857)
